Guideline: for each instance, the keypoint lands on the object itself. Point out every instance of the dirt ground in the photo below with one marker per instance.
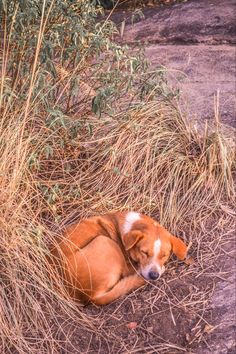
(183, 312)
(190, 309)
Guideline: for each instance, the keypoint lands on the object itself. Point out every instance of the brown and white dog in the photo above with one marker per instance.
(108, 256)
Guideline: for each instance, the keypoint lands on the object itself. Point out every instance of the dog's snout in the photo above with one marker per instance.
(153, 275)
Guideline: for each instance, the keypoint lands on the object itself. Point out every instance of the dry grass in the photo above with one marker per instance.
(151, 159)
(146, 158)
(29, 297)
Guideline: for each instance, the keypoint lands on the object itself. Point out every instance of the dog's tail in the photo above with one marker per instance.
(124, 286)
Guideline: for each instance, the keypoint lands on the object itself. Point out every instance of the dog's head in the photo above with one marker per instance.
(150, 245)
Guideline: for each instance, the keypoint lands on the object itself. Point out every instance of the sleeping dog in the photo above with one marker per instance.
(106, 257)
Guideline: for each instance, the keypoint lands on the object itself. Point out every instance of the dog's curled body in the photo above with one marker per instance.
(106, 257)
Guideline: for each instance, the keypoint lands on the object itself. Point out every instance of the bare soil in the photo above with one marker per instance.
(189, 310)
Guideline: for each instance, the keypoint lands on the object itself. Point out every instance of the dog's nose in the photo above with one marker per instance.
(153, 275)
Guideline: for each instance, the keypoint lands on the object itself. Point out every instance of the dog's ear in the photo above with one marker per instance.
(178, 247)
(131, 238)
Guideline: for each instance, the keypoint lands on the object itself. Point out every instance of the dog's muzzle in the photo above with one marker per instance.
(152, 272)
(153, 275)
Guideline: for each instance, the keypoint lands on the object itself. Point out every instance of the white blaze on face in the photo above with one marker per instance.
(157, 248)
(156, 251)
(130, 219)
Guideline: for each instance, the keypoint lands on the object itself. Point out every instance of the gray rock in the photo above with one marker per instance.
(194, 42)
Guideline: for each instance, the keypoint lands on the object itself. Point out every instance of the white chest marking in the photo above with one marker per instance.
(157, 248)
(130, 219)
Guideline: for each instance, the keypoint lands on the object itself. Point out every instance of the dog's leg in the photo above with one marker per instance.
(124, 286)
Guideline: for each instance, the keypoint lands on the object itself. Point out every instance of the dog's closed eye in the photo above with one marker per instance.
(144, 253)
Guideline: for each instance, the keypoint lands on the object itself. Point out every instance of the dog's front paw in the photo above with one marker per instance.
(189, 260)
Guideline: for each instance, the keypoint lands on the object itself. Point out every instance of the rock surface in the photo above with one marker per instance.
(222, 338)
(194, 41)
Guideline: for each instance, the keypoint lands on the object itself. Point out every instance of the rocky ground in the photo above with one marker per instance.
(194, 41)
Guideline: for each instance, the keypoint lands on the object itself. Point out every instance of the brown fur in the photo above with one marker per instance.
(100, 263)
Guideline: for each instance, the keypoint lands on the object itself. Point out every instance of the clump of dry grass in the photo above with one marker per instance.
(151, 159)
(31, 294)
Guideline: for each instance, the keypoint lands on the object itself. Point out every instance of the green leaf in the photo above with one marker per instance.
(117, 171)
